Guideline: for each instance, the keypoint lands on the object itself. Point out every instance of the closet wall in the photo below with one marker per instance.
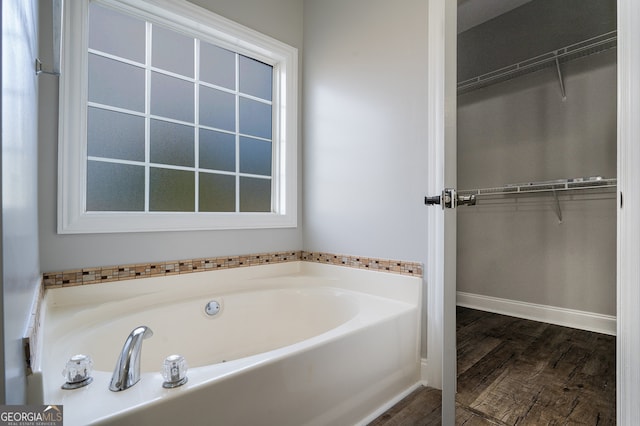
(521, 130)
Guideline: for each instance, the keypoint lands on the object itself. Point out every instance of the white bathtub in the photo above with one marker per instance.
(295, 344)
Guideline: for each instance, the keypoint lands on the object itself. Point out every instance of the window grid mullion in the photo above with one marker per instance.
(174, 167)
(237, 106)
(116, 58)
(147, 118)
(196, 122)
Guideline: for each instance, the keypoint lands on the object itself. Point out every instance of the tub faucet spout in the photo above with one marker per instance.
(127, 371)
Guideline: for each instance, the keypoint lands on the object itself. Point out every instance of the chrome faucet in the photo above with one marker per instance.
(127, 371)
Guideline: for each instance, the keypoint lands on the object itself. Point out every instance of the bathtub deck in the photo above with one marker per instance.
(514, 371)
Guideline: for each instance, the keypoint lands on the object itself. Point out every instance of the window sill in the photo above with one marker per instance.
(95, 223)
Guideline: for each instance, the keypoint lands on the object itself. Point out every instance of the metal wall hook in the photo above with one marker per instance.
(41, 70)
(57, 7)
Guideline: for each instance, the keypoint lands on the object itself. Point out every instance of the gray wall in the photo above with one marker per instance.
(281, 19)
(365, 127)
(473, 12)
(20, 271)
(521, 131)
(365, 115)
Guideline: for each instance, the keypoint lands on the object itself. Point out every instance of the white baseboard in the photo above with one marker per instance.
(582, 320)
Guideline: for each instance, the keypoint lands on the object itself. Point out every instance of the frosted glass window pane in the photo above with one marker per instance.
(114, 187)
(115, 33)
(256, 78)
(255, 195)
(255, 118)
(115, 135)
(217, 150)
(171, 190)
(255, 156)
(172, 143)
(171, 97)
(115, 83)
(172, 51)
(217, 193)
(217, 109)
(217, 66)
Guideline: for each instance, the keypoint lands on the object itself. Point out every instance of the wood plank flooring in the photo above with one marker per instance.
(519, 372)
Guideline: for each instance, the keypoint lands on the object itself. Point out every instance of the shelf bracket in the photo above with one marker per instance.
(564, 94)
(557, 205)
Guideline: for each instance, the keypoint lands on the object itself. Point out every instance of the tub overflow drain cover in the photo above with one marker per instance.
(212, 308)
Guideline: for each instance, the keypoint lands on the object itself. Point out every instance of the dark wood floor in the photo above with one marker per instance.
(519, 372)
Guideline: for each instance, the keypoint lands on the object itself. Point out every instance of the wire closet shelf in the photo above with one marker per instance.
(554, 58)
(552, 187)
(574, 184)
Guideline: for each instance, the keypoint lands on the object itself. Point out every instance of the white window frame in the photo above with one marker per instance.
(207, 26)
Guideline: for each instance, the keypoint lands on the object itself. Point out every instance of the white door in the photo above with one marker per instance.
(628, 334)
(440, 271)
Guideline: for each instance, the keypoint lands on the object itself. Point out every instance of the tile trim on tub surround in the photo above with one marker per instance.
(383, 265)
(30, 341)
(105, 274)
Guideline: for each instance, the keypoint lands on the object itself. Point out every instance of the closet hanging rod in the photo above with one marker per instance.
(596, 182)
(567, 53)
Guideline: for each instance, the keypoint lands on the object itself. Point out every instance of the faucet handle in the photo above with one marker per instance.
(77, 372)
(174, 371)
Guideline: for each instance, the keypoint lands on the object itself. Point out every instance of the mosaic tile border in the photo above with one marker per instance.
(97, 275)
(383, 265)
